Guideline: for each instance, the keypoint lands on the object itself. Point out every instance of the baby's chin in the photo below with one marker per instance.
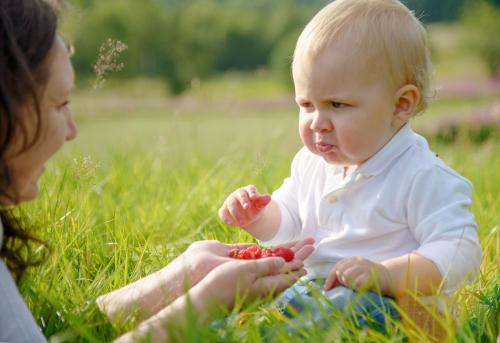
(331, 157)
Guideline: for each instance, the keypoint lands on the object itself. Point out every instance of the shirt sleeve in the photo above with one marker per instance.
(287, 199)
(439, 216)
(16, 321)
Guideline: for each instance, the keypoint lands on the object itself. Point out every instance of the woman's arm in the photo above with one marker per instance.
(145, 297)
(230, 281)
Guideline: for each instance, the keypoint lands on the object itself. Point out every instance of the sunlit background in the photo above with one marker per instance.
(179, 102)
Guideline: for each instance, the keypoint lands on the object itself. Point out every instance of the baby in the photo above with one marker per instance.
(386, 213)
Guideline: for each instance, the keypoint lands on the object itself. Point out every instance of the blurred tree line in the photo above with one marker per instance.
(482, 20)
(182, 40)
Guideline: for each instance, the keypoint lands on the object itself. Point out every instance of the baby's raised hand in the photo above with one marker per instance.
(360, 273)
(243, 207)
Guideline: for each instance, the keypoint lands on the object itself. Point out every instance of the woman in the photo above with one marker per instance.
(36, 78)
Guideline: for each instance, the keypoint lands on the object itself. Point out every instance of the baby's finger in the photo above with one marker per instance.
(236, 211)
(342, 264)
(223, 214)
(347, 275)
(361, 281)
(331, 281)
(243, 198)
(220, 212)
(252, 192)
(227, 218)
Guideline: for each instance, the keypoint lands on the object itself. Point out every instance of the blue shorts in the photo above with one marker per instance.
(306, 304)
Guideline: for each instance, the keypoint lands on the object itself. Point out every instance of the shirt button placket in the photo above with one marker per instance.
(332, 199)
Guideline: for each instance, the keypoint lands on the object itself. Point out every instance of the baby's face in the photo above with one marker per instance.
(345, 115)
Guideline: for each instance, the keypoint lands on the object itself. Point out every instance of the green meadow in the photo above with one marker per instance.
(147, 174)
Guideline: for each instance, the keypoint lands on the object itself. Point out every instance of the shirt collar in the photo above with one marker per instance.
(398, 144)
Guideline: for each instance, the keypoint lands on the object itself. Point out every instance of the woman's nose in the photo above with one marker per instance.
(72, 129)
(321, 123)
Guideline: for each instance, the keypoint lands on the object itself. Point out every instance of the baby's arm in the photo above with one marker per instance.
(412, 272)
(391, 277)
(258, 214)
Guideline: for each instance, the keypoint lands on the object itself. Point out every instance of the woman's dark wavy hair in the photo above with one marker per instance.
(28, 29)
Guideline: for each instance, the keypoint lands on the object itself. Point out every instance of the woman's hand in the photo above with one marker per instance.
(246, 279)
(203, 256)
(147, 296)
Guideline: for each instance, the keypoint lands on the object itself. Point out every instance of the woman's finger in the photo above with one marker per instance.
(265, 266)
(274, 284)
(240, 246)
(298, 244)
(293, 265)
(304, 252)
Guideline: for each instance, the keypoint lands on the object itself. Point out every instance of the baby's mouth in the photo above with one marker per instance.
(324, 147)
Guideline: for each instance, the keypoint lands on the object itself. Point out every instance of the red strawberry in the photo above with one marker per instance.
(262, 201)
(258, 254)
(245, 255)
(253, 248)
(266, 252)
(285, 253)
(234, 253)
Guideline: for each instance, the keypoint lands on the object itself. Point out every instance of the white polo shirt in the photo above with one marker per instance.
(404, 199)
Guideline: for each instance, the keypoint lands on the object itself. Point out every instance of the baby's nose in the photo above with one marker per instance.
(320, 123)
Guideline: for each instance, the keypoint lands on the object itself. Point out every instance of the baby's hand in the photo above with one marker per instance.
(243, 207)
(360, 273)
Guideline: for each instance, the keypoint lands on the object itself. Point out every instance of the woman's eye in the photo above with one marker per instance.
(64, 104)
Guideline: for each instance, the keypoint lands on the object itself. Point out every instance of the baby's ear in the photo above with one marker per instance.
(406, 101)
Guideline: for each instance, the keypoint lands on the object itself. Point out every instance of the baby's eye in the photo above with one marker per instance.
(338, 104)
(306, 105)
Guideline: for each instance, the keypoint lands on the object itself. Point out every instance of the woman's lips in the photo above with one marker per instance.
(324, 147)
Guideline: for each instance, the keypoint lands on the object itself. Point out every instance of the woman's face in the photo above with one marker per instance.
(56, 127)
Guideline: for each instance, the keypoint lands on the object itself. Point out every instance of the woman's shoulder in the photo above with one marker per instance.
(16, 321)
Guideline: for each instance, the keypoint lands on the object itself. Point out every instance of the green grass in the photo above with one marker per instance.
(132, 192)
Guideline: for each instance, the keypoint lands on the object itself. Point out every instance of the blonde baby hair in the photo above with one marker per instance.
(383, 32)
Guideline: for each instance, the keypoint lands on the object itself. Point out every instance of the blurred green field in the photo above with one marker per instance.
(147, 174)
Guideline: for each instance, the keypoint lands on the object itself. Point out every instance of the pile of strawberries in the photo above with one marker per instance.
(255, 252)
